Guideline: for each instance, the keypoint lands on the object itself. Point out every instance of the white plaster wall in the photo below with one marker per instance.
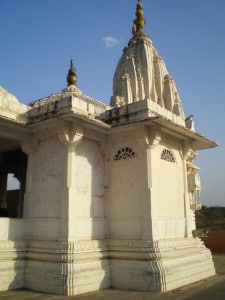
(125, 188)
(139, 207)
(168, 182)
(87, 205)
(48, 173)
(47, 189)
(166, 227)
(12, 229)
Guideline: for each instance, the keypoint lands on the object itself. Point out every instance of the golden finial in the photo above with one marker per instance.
(139, 21)
(71, 77)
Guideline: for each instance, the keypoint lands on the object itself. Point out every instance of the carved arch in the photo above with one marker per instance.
(124, 153)
(168, 155)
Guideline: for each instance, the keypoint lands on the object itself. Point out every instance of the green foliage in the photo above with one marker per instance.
(199, 233)
(211, 218)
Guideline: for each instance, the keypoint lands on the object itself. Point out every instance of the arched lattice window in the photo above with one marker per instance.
(168, 155)
(124, 153)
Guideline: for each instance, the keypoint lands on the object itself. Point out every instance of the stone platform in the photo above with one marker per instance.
(208, 289)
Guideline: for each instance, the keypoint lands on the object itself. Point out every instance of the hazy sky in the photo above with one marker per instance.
(39, 37)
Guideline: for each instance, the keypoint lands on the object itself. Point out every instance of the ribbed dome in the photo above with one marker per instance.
(142, 74)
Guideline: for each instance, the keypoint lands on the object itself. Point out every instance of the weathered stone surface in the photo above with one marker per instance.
(11, 108)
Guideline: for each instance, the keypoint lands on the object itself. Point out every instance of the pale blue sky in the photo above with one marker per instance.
(39, 37)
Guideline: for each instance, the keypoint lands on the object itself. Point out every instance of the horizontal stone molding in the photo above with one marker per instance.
(167, 244)
(86, 246)
(13, 246)
(65, 247)
(73, 267)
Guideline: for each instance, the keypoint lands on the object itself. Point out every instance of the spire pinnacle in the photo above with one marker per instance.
(71, 77)
(139, 22)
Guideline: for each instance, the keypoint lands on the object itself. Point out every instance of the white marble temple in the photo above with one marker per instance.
(108, 193)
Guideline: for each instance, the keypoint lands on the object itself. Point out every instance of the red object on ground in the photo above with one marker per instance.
(215, 241)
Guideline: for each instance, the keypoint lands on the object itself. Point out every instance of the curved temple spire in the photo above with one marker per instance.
(139, 22)
(71, 77)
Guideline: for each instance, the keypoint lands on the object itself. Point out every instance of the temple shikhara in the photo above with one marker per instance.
(108, 193)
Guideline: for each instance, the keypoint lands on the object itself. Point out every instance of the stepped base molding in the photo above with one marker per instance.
(67, 268)
(159, 266)
(72, 268)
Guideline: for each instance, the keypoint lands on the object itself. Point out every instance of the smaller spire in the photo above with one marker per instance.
(71, 77)
(139, 22)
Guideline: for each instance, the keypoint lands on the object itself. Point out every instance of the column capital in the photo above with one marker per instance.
(70, 135)
(153, 136)
(150, 137)
(28, 146)
(189, 154)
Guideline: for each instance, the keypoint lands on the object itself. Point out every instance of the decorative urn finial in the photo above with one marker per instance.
(71, 77)
(139, 22)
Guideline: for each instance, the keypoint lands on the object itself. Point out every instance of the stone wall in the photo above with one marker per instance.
(46, 190)
(87, 206)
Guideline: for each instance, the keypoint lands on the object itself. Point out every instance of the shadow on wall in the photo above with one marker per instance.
(12, 253)
(90, 208)
(12, 229)
(89, 215)
(15, 276)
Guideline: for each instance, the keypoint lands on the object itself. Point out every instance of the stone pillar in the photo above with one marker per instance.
(149, 142)
(188, 154)
(28, 147)
(70, 139)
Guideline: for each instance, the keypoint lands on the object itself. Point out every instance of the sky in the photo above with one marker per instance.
(39, 37)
